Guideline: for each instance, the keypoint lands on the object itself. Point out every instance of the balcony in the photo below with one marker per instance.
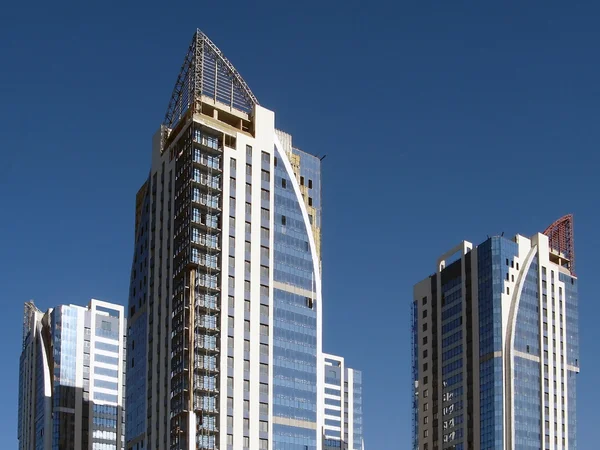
(212, 163)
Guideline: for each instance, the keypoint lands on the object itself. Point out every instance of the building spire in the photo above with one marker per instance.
(560, 238)
(206, 73)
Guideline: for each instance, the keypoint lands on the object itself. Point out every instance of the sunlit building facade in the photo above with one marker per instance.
(496, 345)
(224, 338)
(342, 406)
(72, 381)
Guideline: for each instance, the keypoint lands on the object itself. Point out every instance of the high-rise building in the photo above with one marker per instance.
(496, 345)
(224, 341)
(72, 383)
(342, 405)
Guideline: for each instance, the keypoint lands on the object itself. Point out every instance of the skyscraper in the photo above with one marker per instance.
(496, 345)
(71, 384)
(342, 406)
(225, 299)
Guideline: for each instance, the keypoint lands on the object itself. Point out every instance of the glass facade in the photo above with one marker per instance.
(570, 297)
(295, 321)
(509, 279)
(358, 413)
(453, 358)
(527, 391)
(491, 257)
(75, 373)
(137, 333)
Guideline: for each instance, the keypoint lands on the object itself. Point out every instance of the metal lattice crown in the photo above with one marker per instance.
(560, 238)
(206, 72)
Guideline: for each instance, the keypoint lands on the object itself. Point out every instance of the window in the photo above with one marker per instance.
(230, 402)
(310, 201)
(264, 271)
(229, 342)
(232, 163)
(246, 365)
(424, 327)
(263, 426)
(309, 183)
(264, 214)
(248, 152)
(425, 367)
(246, 345)
(263, 388)
(426, 433)
(230, 141)
(424, 301)
(425, 406)
(264, 310)
(247, 305)
(425, 380)
(230, 301)
(424, 340)
(248, 209)
(230, 362)
(426, 420)
(425, 353)
(264, 330)
(264, 156)
(264, 233)
(230, 436)
(284, 183)
(264, 369)
(263, 444)
(249, 169)
(229, 386)
(283, 220)
(246, 386)
(231, 322)
(424, 314)
(264, 349)
(265, 175)
(247, 326)
(263, 408)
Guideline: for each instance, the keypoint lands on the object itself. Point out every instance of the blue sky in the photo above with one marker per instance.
(441, 121)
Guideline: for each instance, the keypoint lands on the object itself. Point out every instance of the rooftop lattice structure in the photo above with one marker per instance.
(560, 237)
(207, 73)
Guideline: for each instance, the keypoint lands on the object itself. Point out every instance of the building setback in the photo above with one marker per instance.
(224, 340)
(496, 345)
(342, 405)
(72, 384)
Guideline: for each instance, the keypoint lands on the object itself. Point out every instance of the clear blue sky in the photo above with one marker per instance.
(441, 122)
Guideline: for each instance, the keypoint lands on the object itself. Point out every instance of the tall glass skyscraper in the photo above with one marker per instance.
(72, 384)
(496, 345)
(225, 301)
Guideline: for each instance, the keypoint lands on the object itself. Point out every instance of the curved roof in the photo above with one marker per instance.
(560, 238)
(206, 72)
